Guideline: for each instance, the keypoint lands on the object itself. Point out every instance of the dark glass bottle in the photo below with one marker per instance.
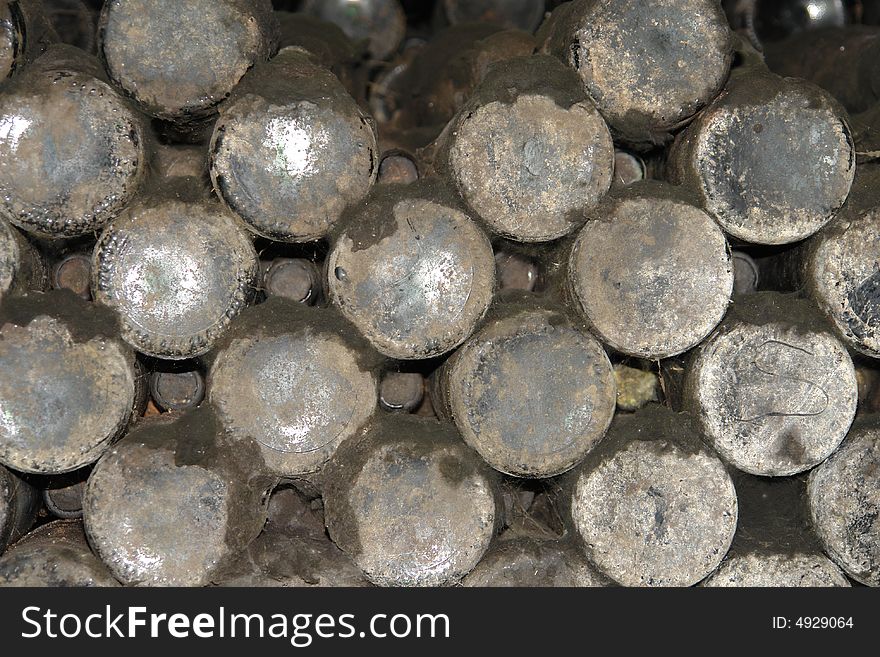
(70, 384)
(295, 380)
(21, 268)
(54, 555)
(529, 391)
(671, 284)
(652, 505)
(746, 273)
(398, 167)
(838, 266)
(330, 47)
(844, 495)
(443, 74)
(180, 60)
(517, 271)
(177, 388)
(175, 501)
(411, 270)
(774, 391)
(19, 503)
(529, 152)
(649, 66)
(75, 22)
(25, 33)
(292, 149)
(401, 391)
(63, 495)
(381, 22)
(628, 168)
(177, 268)
(748, 154)
(841, 60)
(72, 150)
(73, 272)
(521, 14)
(410, 503)
(296, 279)
(776, 19)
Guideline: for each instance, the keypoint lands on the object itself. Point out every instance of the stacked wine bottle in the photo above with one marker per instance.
(497, 293)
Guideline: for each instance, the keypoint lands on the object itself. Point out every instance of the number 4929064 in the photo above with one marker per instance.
(823, 622)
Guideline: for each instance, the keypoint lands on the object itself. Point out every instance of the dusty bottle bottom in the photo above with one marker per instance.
(171, 474)
(403, 468)
(652, 505)
(55, 555)
(70, 386)
(843, 499)
(774, 390)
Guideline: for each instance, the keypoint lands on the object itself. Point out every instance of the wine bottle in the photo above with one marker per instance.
(63, 495)
(330, 47)
(72, 150)
(292, 149)
(520, 14)
(517, 271)
(529, 391)
(746, 273)
(671, 285)
(746, 156)
(70, 384)
(839, 271)
(74, 272)
(179, 61)
(21, 268)
(443, 74)
(296, 279)
(54, 555)
(841, 60)
(775, 20)
(410, 503)
(398, 167)
(652, 505)
(180, 161)
(177, 388)
(411, 270)
(844, 495)
(868, 381)
(295, 380)
(529, 152)
(774, 391)
(628, 168)
(384, 98)
(648, 66)
(75, 23)
(754, 569)
(19, 503)
(175, 501)
(25, 33)
(381, 23)
(177, 268)
(401, 391)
